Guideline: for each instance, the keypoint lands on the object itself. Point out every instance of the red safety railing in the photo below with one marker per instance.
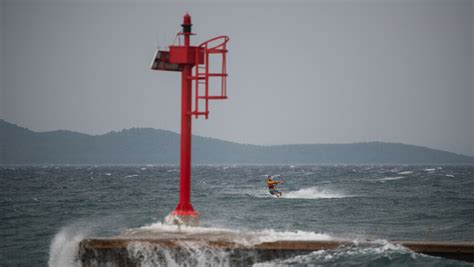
(202, 74)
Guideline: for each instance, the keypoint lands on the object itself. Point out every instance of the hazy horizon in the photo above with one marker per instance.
(300, 73)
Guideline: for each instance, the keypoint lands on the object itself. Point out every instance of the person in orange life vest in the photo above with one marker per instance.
(271, 184)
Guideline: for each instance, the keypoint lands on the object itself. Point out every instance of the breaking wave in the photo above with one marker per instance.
(64, 247)
(196, 252)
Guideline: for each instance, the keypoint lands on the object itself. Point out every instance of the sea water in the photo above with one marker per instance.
(46, 211)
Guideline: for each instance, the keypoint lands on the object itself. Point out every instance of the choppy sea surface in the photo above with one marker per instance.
(46, 210)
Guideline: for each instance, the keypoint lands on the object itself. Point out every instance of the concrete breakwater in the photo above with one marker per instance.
(230, 248)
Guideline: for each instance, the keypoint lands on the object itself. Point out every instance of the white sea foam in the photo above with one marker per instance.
(430, 169)
(63, 250)
(405, 172)
(313, 193)
(132, 175)
(449, 175)
(270, 235)
(196, 252)
(164, 227)
(392, 178)
(251, 237)
(190, 254)
(347, 253)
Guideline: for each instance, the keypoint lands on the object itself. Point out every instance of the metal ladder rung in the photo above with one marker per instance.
(196, 77)
(217, 74)
(214, 97)
(198, 113)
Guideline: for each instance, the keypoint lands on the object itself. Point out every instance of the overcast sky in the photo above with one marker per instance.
(310, 72)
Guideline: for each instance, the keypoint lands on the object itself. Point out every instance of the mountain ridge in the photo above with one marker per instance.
(20, 145)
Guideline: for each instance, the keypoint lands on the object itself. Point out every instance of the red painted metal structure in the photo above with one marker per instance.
(184, 58)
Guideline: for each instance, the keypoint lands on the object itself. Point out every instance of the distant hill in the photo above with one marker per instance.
(151, 146)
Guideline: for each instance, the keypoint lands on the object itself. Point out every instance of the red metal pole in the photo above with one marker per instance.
(184, 210)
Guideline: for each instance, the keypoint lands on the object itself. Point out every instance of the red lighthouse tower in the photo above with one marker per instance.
(194, 64)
